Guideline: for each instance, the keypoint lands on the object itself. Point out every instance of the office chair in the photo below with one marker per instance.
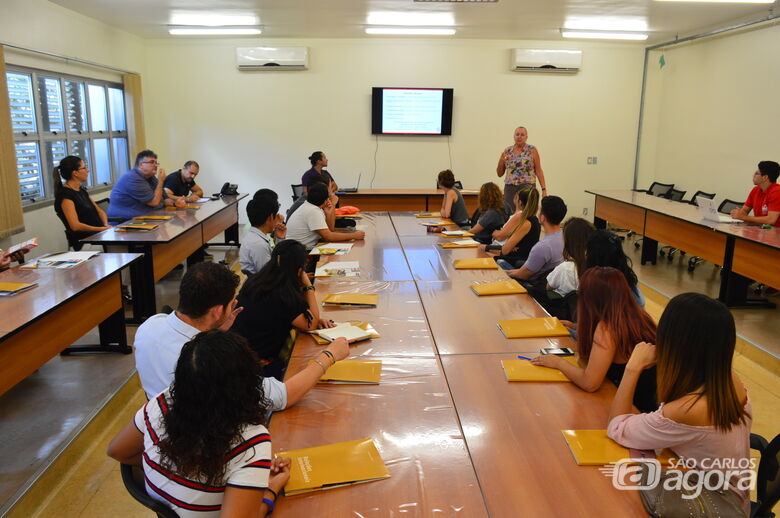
(133, 477)
(458, 185)
(669, 251)
(297, 191)
(726, 206)
(768, 476)
(701, 194)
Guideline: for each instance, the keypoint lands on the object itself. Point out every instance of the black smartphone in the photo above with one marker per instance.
(557, 351)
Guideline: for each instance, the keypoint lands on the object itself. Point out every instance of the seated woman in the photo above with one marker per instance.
(202, 442)
(277, 299)
(452, 205)
(521, 232)
(490, 215)
(705, 413)
(565, 277)
(73, 205)
(605, 248)
(609, 324)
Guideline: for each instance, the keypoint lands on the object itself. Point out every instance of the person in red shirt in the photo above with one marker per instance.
(764, 199)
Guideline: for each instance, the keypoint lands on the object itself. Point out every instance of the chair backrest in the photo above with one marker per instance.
(133, 477)
(458, 185)
(703, 195)
(660, 189)
(726, 206)
(297, 191)
(768, 479)
(675, 195)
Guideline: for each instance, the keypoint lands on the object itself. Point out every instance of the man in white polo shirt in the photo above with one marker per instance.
(207, 301)
(308, 224)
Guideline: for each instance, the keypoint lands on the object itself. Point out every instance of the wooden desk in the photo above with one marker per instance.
(169, 244)
(403, 199)
(41, 322)
(513, 432)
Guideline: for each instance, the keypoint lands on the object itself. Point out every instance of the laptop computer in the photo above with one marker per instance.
(353, 189)
(710, 213)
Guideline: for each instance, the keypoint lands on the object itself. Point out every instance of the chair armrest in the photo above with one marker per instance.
(758, 443)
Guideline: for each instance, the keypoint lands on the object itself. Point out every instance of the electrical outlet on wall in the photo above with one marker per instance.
(593, 160)
(585, 211)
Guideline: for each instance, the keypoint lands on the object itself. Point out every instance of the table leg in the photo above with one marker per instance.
(142, 283)
(231, 234)
(649, 250)
(734, 287)
(599, 223)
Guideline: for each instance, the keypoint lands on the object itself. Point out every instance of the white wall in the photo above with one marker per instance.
(712, 113)
(257, 128)
(48, 27)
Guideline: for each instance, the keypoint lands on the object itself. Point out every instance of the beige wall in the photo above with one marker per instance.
(712, 113)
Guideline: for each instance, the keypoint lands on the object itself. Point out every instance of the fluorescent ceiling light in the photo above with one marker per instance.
(606, 23)
(414, 31)
(212, 19)
(603, 35)
(723, 1)
(214, 31)
(410, 19)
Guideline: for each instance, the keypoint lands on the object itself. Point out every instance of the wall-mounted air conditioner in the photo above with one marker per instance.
(272, 58)
(541, 60)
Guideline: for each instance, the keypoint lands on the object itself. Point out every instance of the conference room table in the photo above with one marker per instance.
(41, 322)
(457, 438)
(169, 244)
(743, 250)
(403, 199)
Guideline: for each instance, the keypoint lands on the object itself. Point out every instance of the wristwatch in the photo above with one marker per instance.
(309, 288)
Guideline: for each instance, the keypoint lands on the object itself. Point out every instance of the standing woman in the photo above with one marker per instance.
(520, 164)
(73, 205)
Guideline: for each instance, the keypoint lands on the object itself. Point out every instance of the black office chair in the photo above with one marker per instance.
(458, 185)
(657, 189)
(669, 251)
(702, 194)
(103, 205)
(768, 476)
(726, 206)
(297, 191)
(133, 477)
(675, 195)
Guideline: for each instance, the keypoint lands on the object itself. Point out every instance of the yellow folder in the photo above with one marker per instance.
(351, 300)
(455, 234)
(428, 215)
(482, 263)
(523, 370)
(353, 371)
(459, 245)
(593, 447)
(186, 207)
(507, 287)
(439, 223)
(532, 327)
(152, 218)
(10, 288)
(137, 226)
(334, 465)
(362, 325)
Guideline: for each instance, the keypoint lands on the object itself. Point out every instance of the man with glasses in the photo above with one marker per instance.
(764, 199)
(140, 190)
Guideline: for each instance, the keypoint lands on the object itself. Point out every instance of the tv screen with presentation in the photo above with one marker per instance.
(411, 111)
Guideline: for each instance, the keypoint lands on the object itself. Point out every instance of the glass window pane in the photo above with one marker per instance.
(80, 148)
(55, 151)
(116, 99)
(97, 107)
(101, 165)
(121, 160)
(51, 104)
(28, 163)
(76, 102)
(20, 97)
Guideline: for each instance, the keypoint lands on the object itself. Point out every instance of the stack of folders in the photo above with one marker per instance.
(460, 243)
(152, 218)
(185, 207)
(12, 288)
(351, 300)
(351, 332)
(507, 287)
(358, 372)
(132, 226)
(532, 328)
(523, 370)
(482, 263)
(455, 233)
(428, 215)
(334, 465)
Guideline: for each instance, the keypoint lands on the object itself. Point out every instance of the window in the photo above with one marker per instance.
(54, 115)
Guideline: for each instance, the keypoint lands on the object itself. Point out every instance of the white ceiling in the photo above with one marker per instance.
(506, 19)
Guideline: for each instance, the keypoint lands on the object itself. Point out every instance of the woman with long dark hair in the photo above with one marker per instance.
(277, 299)
(705, 414)
(521, 232)
(490, 215)
(605, 248)
(609, 324)
(565, 277)
(202, 442)
(72, 203)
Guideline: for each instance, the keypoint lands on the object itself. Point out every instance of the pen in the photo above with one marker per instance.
(524, 357)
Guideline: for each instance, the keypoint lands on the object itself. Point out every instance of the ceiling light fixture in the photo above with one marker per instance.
(213, 19)
(412, 31)
(604, 35)
(405, 19)
(606, 23)
(214, 31)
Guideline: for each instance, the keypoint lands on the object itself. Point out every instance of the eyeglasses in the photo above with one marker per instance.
(83, 168)
(155, 162)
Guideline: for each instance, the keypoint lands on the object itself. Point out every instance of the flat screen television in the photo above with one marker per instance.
(411, 111)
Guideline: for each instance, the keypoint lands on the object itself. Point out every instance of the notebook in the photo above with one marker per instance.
(523, 370)
(12, 288)
(593, 447)
(710, 213)
(351, 300)
(338, 269)
(334, 465)
(428, 215)
(438, 223)
(362, 325)
(356, 187)
(27, 245)
(363, 372)
(481, 263)
(128, 227)
(351, 332)
(331, 249)
(460, 243)
(185, 207)
(507, 287)
(152, 218)
(455, 233)
(532, 327)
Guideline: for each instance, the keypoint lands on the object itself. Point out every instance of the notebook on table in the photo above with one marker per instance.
(455, 233)
(481, 263)
(507, 287)
(428, 215)
(359, 372)
(152, 218)
(362, 325)
(351, 300)
(532, 327)
(460, 243)
(708, 211)
(355, 188)
(12, 288)
(439, 223)
(133, 226)
(524, 370)
(349, 331)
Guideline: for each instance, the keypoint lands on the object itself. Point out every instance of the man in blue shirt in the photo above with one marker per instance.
(138, 191)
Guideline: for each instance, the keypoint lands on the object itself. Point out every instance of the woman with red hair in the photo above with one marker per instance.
(610, 323)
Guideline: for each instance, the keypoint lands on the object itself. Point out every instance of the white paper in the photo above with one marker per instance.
(338, 269)
(341, 248)
(203, 200)
(347, 331)
(468, 241)
(433, 223)
(72, 256)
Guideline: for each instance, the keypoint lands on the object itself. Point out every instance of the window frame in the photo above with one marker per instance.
(43, 137)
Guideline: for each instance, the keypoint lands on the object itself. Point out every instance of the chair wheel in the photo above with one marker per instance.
(691, 268)
(636, 245)
(662, 253)
(670, 258)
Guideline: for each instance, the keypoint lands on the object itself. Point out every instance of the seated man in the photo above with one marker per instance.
(317, 178)
(318, 163)
(314, 220)
(548, 252)
(138, 191)
(181, 183)
(207, 301)
(764, 199)
(267, 227)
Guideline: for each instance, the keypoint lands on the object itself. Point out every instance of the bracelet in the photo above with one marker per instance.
(324, 369)
(310, 287)
(276, 496)
(270, 504)
(544, 188)
(329, 354)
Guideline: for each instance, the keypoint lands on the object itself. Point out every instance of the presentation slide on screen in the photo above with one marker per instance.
(412, 111)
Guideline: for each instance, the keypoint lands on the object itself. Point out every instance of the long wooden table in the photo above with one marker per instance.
(458, 439)
(169, 244)
(403, 199)
(39, 323)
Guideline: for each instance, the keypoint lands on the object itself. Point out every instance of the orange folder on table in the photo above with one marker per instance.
(347, 300)
(125, 227)
(461, 243)
(532, 327)
(455, 233)
(593, 447)
(523, 370)
(12, 288)
(152, 218)
(481, 263)
(428, 215)
(334, 465)
(353, 372)
(507, 287)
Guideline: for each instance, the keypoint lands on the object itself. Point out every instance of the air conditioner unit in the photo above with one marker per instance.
(540, 60)
(272, 58)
